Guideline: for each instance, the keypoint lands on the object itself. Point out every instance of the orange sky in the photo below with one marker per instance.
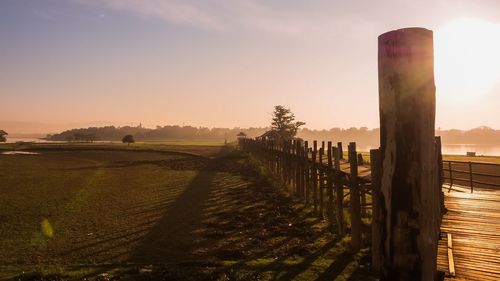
(226, 63)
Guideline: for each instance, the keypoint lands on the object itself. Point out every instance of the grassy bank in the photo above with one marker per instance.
(82, 210)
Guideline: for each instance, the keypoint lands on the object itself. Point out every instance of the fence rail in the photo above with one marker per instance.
(472, 174)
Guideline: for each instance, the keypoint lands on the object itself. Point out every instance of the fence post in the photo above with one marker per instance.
(470, 178)
(290, 165)
(330, 214)
(321, 200)
(306, 172)
(451, 174)
(315, 176)
(341, 152)
(377, 219)
(339, 191)
(409, 172)
(362, 189)
(300, 162)
(354, 198)
(297, 167)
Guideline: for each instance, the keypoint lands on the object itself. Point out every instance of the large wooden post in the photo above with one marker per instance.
(410, 193)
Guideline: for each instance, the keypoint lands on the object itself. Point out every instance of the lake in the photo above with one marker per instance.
(462, 149)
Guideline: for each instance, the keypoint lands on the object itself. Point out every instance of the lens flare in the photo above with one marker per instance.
(467, 60)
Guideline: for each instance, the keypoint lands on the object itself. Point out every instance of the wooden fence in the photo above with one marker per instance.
(320, 175)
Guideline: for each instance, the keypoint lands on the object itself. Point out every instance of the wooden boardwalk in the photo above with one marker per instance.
(473, 220)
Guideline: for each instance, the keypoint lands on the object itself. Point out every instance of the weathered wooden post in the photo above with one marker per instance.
(354, 198)
(409, 180)
(339, 191)
(314, 175)
(297, 166)
(290, 164)
(321, 183)
(362, 189)
(306, 172)
(329, 179)
(285, 163)
(339, 146)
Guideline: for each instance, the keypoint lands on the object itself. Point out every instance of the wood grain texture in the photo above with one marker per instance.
(473, 220)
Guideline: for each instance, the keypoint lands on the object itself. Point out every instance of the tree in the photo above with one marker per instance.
(3, 135)
(128, 139)
(284, 123)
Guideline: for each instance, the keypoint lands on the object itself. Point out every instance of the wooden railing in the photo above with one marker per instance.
(472, 174)
(322, 178)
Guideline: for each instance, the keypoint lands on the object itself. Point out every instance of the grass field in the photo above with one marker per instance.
(156, 212)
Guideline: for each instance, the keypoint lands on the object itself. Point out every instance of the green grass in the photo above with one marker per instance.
(148, 212)
(86, 198)
(199, 142)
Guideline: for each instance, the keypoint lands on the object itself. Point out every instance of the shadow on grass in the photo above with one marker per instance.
(172, 237)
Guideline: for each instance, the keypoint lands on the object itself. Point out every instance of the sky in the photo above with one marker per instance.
(226, 63)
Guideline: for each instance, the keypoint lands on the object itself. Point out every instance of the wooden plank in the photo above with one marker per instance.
(451, 263)
(472, 225)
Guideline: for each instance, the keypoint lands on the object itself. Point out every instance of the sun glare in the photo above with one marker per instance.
(467, 60)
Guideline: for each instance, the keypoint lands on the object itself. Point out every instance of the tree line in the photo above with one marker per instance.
(112, 133)
(363, 136)
(282, 124)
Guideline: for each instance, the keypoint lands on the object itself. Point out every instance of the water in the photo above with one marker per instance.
(459, 149)
(20, 152)
(462, 149)
(14, 140)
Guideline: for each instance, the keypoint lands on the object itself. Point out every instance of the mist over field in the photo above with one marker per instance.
(364, 136)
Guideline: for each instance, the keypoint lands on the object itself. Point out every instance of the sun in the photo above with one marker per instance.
(467, 60)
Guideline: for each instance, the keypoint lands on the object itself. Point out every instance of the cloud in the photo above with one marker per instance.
(209, 15)
(176, 12)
